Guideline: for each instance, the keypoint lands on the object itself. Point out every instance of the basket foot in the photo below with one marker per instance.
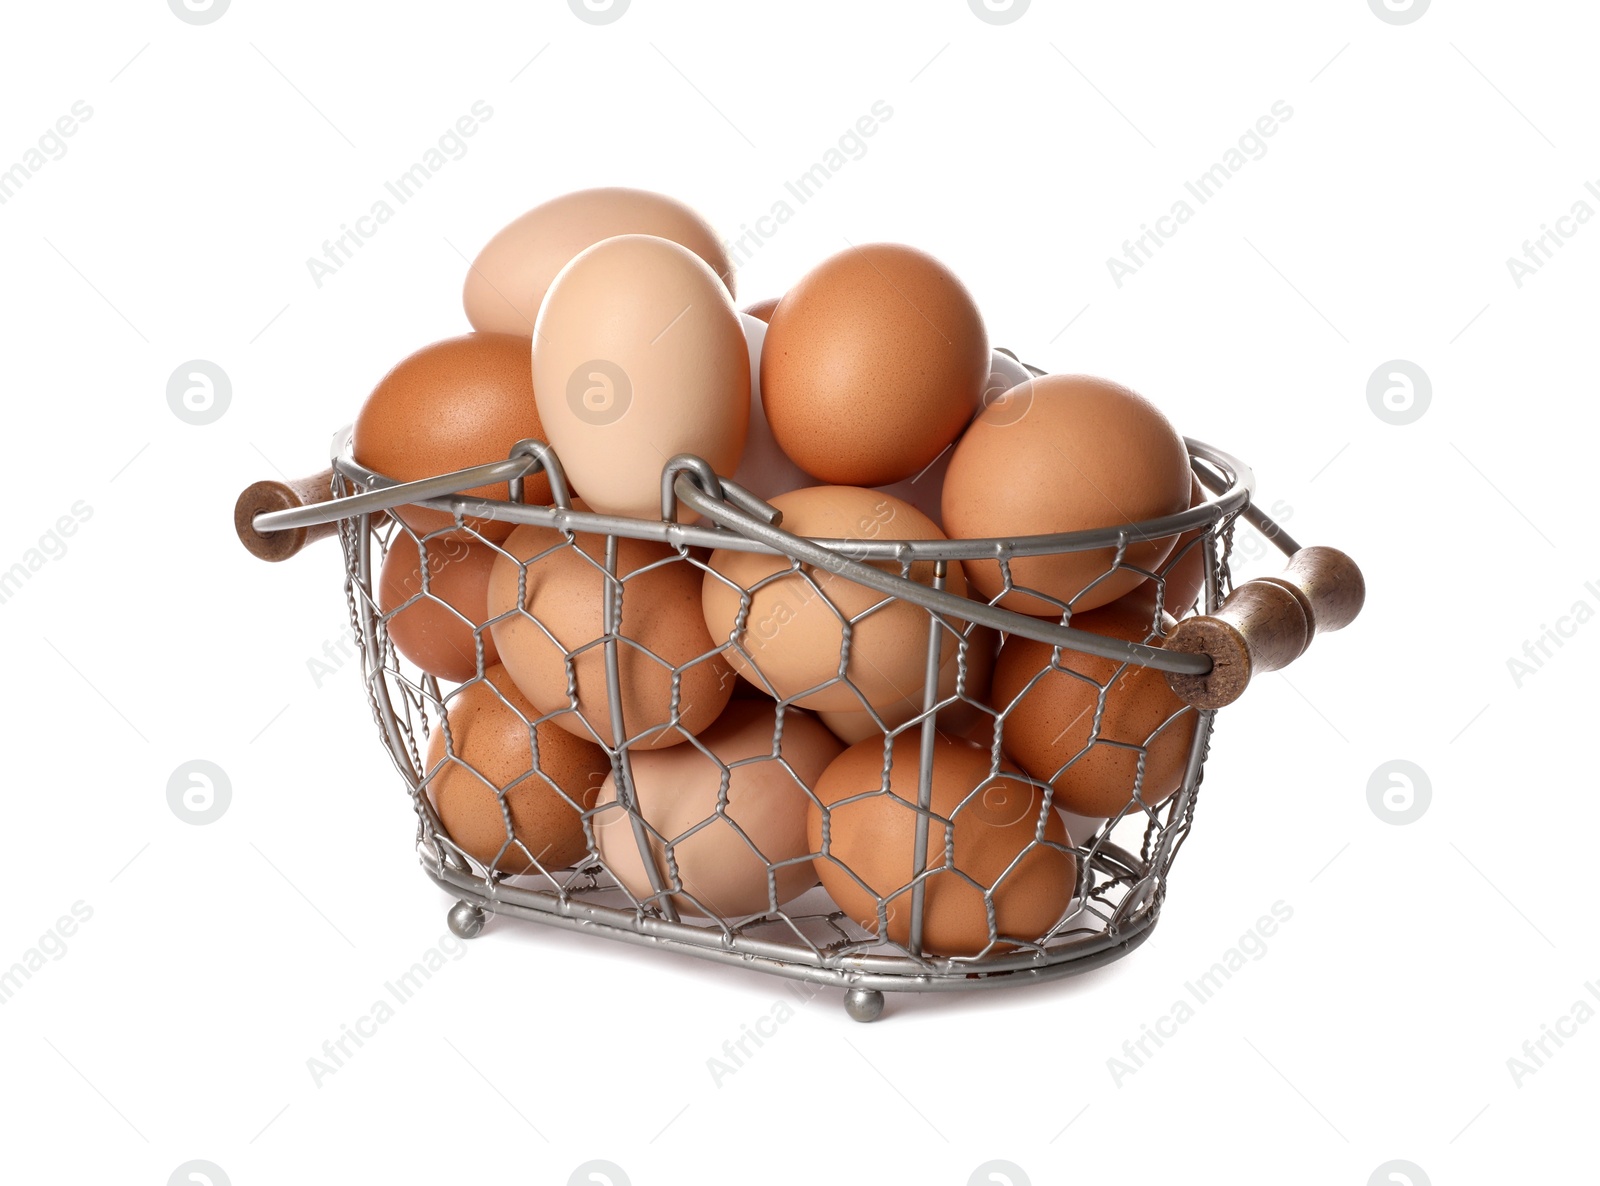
(863, 1004)
(466, 920)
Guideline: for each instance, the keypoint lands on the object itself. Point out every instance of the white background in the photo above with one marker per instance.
(218, 959)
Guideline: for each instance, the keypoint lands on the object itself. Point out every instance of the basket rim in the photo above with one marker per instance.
(1229, 483)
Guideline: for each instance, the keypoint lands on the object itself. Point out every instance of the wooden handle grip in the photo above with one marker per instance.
(1267, 623)
(271, 495)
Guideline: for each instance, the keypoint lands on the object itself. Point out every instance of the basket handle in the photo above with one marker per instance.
(1266, 624)
(729, 512)
(263, 497)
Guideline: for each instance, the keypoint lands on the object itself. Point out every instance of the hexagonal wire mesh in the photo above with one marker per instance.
(628, 882)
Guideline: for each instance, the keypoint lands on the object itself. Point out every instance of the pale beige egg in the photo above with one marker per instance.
(639, 356)
(509, 279)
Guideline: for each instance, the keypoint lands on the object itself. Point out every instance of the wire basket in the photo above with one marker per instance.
(640, 877)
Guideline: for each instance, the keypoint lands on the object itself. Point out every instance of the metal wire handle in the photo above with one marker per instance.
(731, 515)
(1236, 483)
(745, 522)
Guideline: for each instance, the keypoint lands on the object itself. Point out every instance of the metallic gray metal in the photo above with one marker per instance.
(1120, 892)
(930, 731)
(438, 493)
(1269, 527)
(611, 624)
(837, 558)
(545, 458)
(885, 973)
(863, 1004)
(466, 920)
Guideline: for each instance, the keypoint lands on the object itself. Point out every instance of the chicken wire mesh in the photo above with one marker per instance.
(573, 842)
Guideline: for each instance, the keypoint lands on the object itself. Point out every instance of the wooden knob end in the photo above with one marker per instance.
(271, 495)
(1263, 627)
(1331, 584)
(1267, 624)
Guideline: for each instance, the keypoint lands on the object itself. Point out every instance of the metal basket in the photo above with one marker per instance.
(1122, 863)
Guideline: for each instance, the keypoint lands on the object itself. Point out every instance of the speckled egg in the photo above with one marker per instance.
(461, 402)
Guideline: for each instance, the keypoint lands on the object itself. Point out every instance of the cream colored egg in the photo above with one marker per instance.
(508, 280)
(639, 355)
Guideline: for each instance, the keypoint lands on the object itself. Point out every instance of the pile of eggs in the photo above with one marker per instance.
(766, 725)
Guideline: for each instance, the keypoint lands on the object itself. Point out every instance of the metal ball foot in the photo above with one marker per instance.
(466, 920)
(863, 1004)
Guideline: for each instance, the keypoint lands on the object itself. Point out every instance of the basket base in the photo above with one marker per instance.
(865, 978)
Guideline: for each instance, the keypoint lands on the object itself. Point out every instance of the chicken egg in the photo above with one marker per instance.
(508, 281)
(1086, 724)
(486, 757)
(1065, 453)
(987, 826)
(664, 654)
(437, 622)
(461, 402)
(790, 642)
(874, 361)
(724, 844)
(639, 355)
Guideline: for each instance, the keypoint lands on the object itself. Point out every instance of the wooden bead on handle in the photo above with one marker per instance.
(272, 495)
(1331, 584)
(1266, 624)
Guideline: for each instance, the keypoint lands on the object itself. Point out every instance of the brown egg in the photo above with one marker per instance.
(743, 689)
(959, 718)
(867, 854)
(722, 853)
(791, 638)
(439, 625)
(1052, 722)
(873, 363)
(565, 589)
(508, 280)
(491, 760)
(924, 489)
(1183, 578)
(457, 403)
(1065, 453)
